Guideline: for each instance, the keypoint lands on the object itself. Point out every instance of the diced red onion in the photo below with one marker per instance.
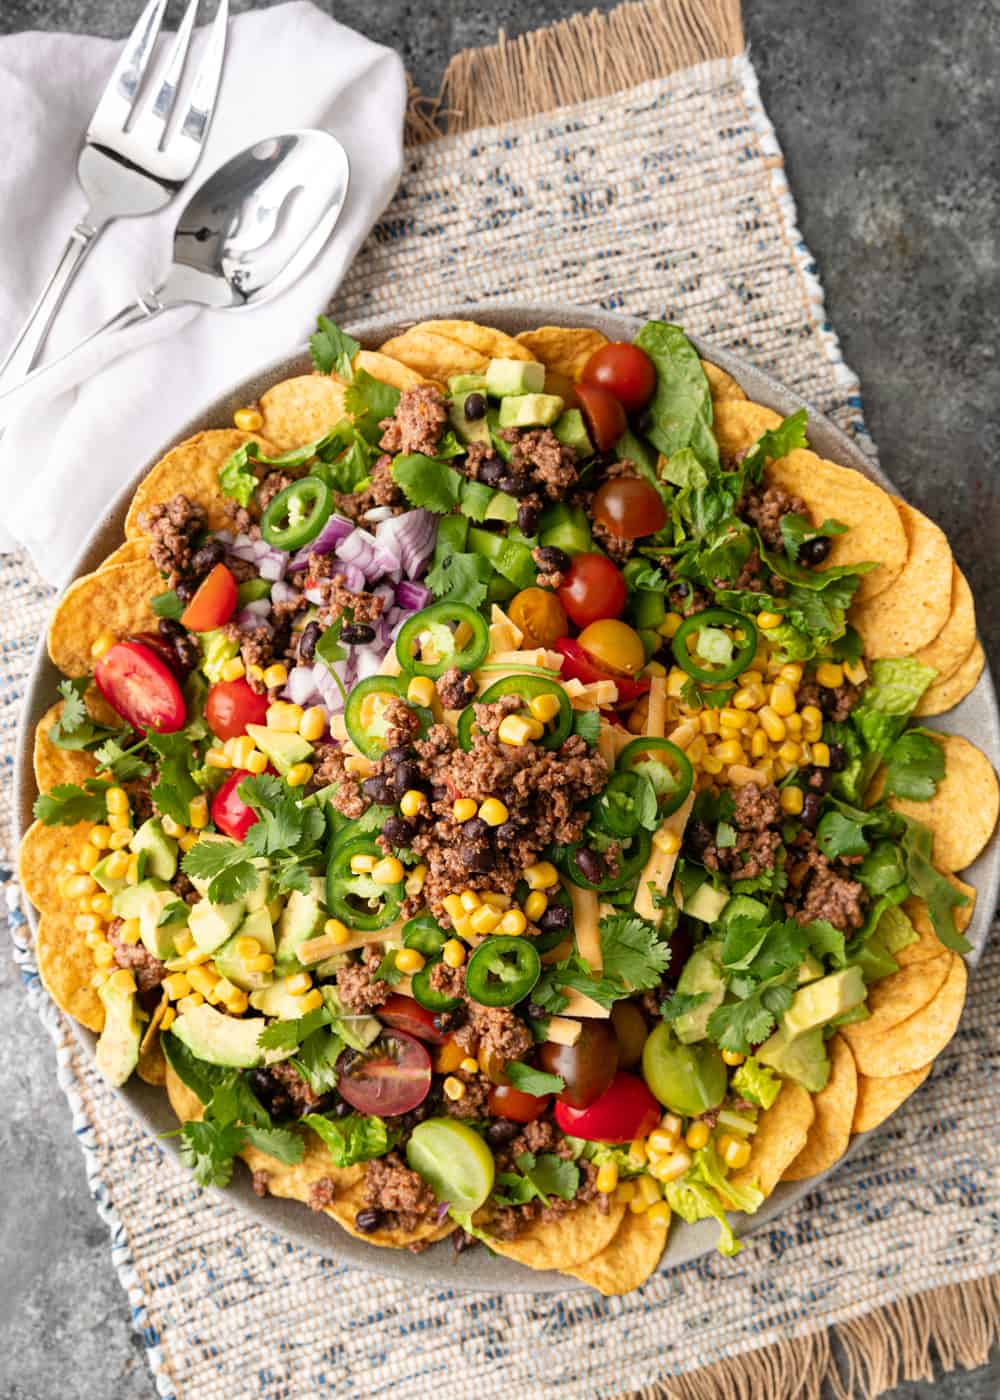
(378, 514)
(442, 1210)
(283, 592)
(327, 686)
(313, 595)
(354, 578)
(260, 607)
(411, 597)
(248, 621)
(335, 530)
(367, 661)
(410, 538)
(301, 685)
(272, 568)
(224, 536)
(243, 547)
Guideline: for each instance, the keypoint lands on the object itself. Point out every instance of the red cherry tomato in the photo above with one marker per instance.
(515, 1105)
(577, 665)
(405, 1014)
(392, 1076)
(629, 507)
(604, 414)
(229, 812)
(625, 1110)
(623, 370)
(213, 604)
(231, 706)
(141, 688)
(592, 588)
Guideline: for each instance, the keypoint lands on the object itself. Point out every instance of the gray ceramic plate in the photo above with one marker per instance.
(976, 717)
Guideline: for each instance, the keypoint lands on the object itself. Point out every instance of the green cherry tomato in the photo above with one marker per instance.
(687, 1079)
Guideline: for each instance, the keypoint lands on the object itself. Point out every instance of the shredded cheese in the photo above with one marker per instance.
(659, 869)
(585, 923)
(656, 720)
(596, 695)
(504, 634)
(611, 740)
(580, 1005)
(562, 1031)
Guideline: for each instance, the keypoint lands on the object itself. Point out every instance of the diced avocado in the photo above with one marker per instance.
(211, 924)
(468, 429)
(201, 884)
(505, 377)
(276, 1000)
(856, 1013)
(220, 1039)
(161, 849)
(894, 930)
(228, 961)
(301, 920)
(809, 969)
(258, 898)
(801, 1057)
(284, 750)
(159, 937)
(117, 1052)
(530, 410)
(460, 384)
(258, 924)
(502, 507)
(127, 903)
(571, 431)
(820, 1001)
(110, 884)
(331, 965)
(702, 974)
(707, 903)
(275, 908)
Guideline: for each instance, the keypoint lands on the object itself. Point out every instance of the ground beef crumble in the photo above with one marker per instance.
(358, 987)
(380, 491)
(322, 1193)
(417, 423)
(822, 889)
(147, 970)
(756, 815)
(391, 1187)
(272, 485)
(763, 507)
(539, 455)
(455, 689)
(325, 575)
(173, 527)
(495, 1033)
(329, 768)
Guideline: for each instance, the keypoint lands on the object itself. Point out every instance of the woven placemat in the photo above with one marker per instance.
(663, 194)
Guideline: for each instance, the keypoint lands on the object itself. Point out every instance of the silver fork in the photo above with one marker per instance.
(128, 164)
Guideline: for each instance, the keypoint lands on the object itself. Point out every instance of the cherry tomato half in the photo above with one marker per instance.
(629, 507)
(231, 706)
(229, 812)
(613, 645)
(213, 604)
(392, 1076)
(141, 688)
(626, 1110)
(592, 588)
(515, 1105)
(588, 1067)
(623, 370)
(539, 614)
(604, 414)
(405, 1014)
(577, 665)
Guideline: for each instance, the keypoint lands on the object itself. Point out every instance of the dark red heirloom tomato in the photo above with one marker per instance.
(213, 604)
(604, 414)
(229, 812)
(140, 687)
(623, 370)
(587, 1068)
(392, 1076)
(592, 589)
(629, 507)
(625, 1110)
(405, 1014)
(231, 706)
(515, 1105)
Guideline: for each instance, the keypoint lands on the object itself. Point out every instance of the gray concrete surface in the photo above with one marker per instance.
(886, 116)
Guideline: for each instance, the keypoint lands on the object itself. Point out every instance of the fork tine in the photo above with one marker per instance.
(119, 95)
(166, 96)
(206, 82)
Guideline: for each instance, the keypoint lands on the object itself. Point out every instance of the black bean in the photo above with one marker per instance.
(267, 1090)
(357, 634)
(557, 916)
(206, 557)
(506, 834)
(828, 700)
(502, 1131)
(552, 560)
(534, 1012)
(186, 651)
(515, 485)
(396, 831)
(369, 1220)
(838, 758)
(814, 551)
(169, 628)
(407, 777)
(475, 407)
(377, 789)
(495, 527)
(400, 754)
(477, 857)
(311, 634)
(698, 837)
(527, 519)
(810, 810)
(184, 591)
(475, 829)
(492, 471)
(589, 864)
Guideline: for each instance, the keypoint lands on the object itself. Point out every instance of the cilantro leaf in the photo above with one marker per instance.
(230, 872)
(839, 835)
(356, 1138)
(462, 576)
(534, 1081)
(587, 723)
(67, 803)
(208, 1148)
(797, 529)
(680, 1003)
(632, 952)
(122, 764)
(289, 1035)
(317, 1058)
(233, 1101)
(330, 648)
(172, 913)
(427, 483)
(332, 349)
(281, 1143)
(739, 1025)
(368, 401)
(914, 766)
(74, 728)
(175, 787)
(550, 1175)
(776, 442)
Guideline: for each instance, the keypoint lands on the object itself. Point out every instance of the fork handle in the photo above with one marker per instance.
(28, 345)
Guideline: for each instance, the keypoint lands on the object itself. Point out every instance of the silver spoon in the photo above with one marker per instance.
(244, 237)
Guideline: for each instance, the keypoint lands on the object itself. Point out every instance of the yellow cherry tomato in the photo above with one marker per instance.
(539, 615)
(614, 646)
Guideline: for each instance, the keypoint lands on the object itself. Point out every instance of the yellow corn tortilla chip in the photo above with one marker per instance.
(874, 525)
(300, 410)
(928, 944)
(721, 385)
(944, 695)
(738, 423)
(54, 765)
(628, 1261)
(152, 1066)
(911, 1044)
(963, 811)
(388, 370)
(66, 965)
(957, 637)
(564, 1243)
(192, 469)
(43, 853)
(830, 1131)
(782, 1133)
(485, 340)
(112, 600)
(561, 349)
(126, 553)
(895, 998)
(434, 356)
(912, 611)
(877, 1098)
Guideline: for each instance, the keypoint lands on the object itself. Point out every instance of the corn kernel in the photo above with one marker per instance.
(239, 750)
(188, 841)
(116, 799)
(667, 841)
(359, 766)
(794, 725)
(736, 1154)
(453, 953)
(415, 880)
(233, 669)
(821, 755)
(855, 672)
(463, 809)
(493, 812)
(183, 941)
(638, 1151)
(697, 1136)
(829, 675)
(512, 923)
(544, 707)
(176, 985)
(470, 900)
(284, 717)
(132, 873)
(448, 1056)
(625, 1192)
(409, 960)
(541, 876)
(336, 931)
(412, 802)
(638, 1204)
(100, 904)
(420, 691)
(121, 829)
(484, 919)
(117, 864)
(363, 864)
(659, 1214)
(278, 675)
(454, 1088)
(733, 1057)
(514, 730)
(668, 627)
(731, 751)
(88, 857)
(248, 420)
(86, 923)
(454, 906)
(218, 758)
(772, 724)
(535, 905)
(732, 719)
(712, 765)
(388, 871)
(653, 668)
(648, 1190)
(254, 672)
(790, 752)
(470, 1065)
(103, 644)
(312, 725)
(189, 1002)
(758, 744)
(198, 812)
(299, 774)
(130, 931)
(225, 991)
(661, 1142)
(767, 621)
(263, 962)
(792, 800)
(672, 1167)
(248, 947)
(607, 1178)
(708, 721)
(298, 984)
(782, 699)
(746, 698)
(79, 885)
(696, 750)
(236, 1002)
(202, 978)
(99, 836)
(312, 1001)
(496, 900)
(104, 955)
(122, 981)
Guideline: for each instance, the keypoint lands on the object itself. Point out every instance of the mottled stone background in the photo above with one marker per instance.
(887, 116)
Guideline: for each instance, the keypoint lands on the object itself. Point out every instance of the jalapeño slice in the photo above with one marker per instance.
(502, 971)
(716, 619)
(356, 899)
(424, 933)
(364, 716)
(296, 515)
(632, 857)
(427, 995)
(666, 766)
(527, 686)
(437, 620)
(616, 809)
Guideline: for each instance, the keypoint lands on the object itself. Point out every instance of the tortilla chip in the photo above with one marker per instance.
(112, 600)
(721, 385)
(434, 356)
(192, 468)
(834, 1107)
(738, 423)
(388, 370)
(300, 410)
(485, 340)
(567, 1242)
(126, 553)
(66, 965)
(54, 765)
(564, 350)
(877, 1098)
(963, 811)
(628, 1261)
(782, 1133)
(911, 1044)
(944, 695)
(928, 945)
(43, 854)
(913, 610)
(895, 998)
(957, 637)
(152, 1066)
(875, 528)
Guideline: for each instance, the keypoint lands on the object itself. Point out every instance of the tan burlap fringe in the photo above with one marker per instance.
(588, 56)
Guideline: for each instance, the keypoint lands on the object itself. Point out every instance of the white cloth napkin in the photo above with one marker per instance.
(63, 458)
